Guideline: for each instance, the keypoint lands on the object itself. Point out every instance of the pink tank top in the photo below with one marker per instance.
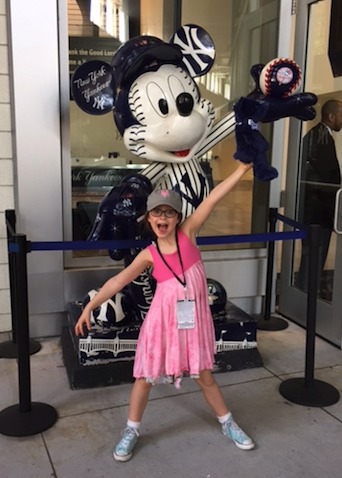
(190, 255)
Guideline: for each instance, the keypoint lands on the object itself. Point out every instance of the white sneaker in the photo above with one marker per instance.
(124, 449)
(232, 430)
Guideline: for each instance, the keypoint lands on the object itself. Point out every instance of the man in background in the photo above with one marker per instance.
(320, 180)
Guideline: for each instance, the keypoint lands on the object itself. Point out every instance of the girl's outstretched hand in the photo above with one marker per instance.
(84, 320)
(245, 166)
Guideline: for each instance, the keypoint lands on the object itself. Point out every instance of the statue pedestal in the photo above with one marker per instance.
(105, 359)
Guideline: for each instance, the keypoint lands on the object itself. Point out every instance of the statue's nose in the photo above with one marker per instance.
(185, 104)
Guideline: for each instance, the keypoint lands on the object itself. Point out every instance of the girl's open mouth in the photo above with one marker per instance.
(162, 227)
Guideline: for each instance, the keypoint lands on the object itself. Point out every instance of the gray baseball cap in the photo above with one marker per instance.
(164, 197)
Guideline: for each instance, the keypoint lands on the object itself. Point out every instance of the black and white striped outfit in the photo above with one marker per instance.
(188, 178)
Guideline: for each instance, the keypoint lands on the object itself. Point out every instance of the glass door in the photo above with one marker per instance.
(314, 171)
(245, 33)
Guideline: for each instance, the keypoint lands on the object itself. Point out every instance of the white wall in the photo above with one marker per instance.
(6, 170)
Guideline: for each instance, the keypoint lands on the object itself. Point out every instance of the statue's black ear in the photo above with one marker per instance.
(197, 47)
(92, 87)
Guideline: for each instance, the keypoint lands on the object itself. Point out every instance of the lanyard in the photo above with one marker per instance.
(183, 282)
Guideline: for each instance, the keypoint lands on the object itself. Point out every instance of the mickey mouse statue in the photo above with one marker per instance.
(158, 109)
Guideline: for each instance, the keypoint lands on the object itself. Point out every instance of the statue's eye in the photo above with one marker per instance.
(163, 106)
(157, 99)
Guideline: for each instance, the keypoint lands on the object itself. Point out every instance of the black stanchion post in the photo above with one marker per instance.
(11, 229)
(23, 335)
(268, 321)
(9, 349)
(27, 418)
(308, 390)
(311, 304)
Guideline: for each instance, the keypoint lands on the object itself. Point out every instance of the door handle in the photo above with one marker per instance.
(337, 211)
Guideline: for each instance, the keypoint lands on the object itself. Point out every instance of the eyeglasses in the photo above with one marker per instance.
(157, 212)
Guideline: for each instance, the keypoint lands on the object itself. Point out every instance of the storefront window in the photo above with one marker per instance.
(244, 33)
(99, 158)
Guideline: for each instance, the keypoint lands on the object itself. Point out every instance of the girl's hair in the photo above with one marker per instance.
(145, 227)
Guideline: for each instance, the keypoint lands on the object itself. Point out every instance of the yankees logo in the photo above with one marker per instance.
(196, 45)
(99, 103)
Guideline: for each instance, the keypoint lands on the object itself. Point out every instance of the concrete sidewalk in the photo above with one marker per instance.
(180, 438)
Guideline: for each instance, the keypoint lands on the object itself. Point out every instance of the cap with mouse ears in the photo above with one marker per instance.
(190, 48)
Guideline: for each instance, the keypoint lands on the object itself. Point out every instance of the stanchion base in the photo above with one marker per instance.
(273, 323)
(320, 394)
(9, 349)
(15, 423)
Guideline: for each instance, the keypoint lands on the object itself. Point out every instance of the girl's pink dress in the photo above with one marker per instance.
(165, 352)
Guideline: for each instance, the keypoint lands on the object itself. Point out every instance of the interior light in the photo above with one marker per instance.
(95, 11)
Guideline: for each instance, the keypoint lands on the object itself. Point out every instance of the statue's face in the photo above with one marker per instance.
(172, 118)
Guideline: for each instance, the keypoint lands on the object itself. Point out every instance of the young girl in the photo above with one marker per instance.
(177, 336)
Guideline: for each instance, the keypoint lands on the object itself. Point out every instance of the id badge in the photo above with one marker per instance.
(186, 314)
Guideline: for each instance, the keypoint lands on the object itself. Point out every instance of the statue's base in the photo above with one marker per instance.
(104, 360)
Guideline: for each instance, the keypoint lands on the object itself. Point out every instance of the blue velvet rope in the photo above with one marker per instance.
(131, 244)
(290, 222)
